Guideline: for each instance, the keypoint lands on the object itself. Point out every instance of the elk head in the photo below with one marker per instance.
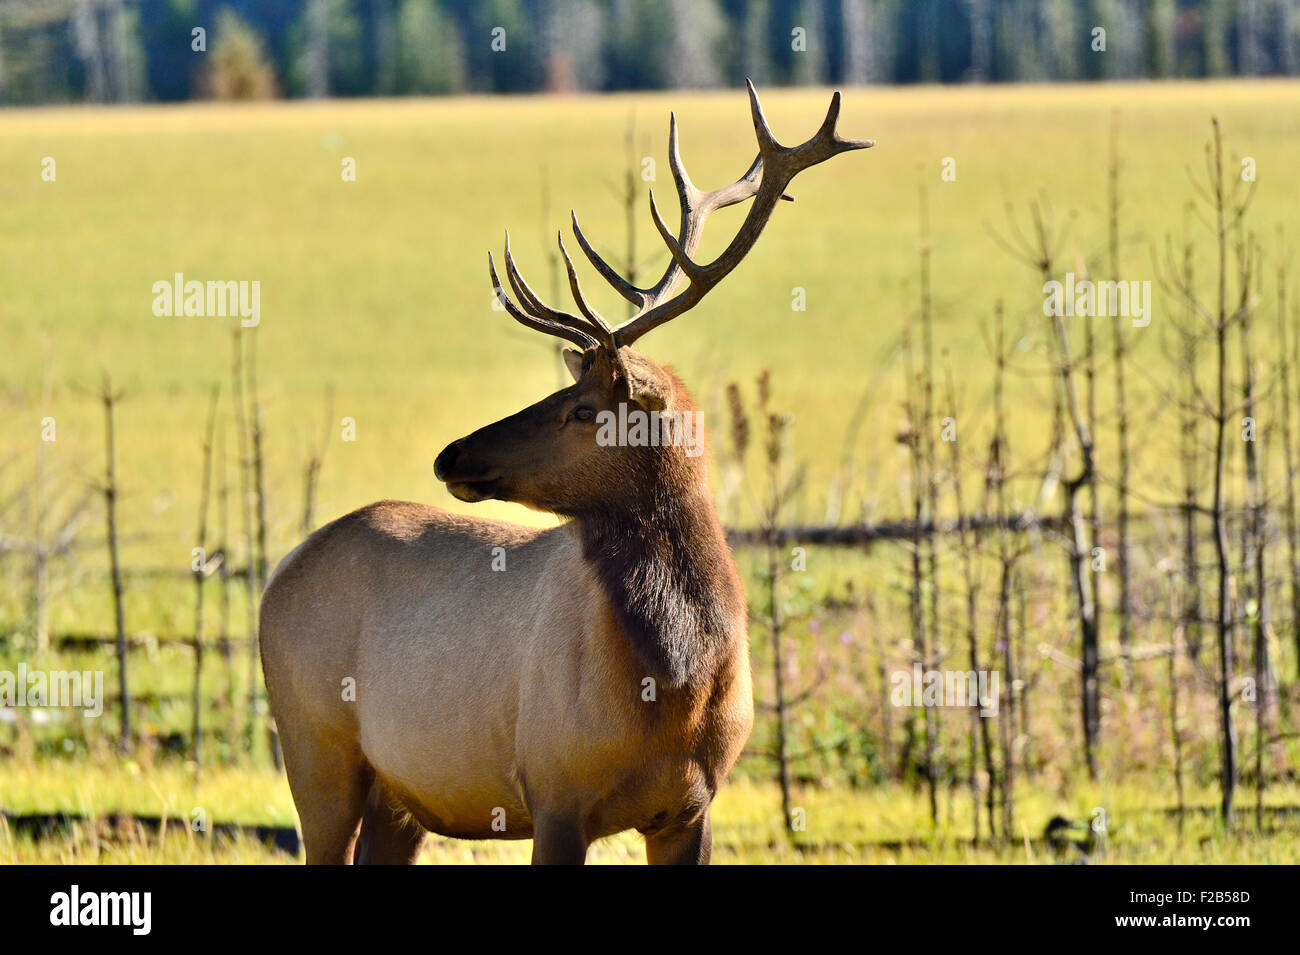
(550, 455)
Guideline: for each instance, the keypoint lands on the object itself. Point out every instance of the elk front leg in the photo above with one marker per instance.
(558, 840)
(687, 844)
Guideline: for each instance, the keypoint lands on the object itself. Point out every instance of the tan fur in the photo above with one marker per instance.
(482, 692)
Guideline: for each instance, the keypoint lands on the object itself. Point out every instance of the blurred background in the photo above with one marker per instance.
(127, 51)
(916, 466)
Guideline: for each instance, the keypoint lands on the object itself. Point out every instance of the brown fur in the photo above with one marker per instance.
(517, 695)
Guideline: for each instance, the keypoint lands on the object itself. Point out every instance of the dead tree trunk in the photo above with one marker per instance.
(1228, 738)
(40, 549)
(1177, 622)
(259, 463)
(1283, 412)
(245, 460)
(1040, 254)
(200, 576)
(931, 478)
(109, 399)
(1077, 547)
(1189, 452)
(916, 600)
(259, 486)
(981, 746)
(772, 507)
(1292, 474)
(1227, 210)
(223, 575)
(995, 484)
(778, 678)
(1121, 422)
(1255, 535)
(311, 471)
(1095, 522)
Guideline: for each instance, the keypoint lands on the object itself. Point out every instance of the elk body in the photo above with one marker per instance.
(561, 684)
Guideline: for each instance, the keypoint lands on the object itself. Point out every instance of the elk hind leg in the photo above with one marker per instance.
(329, 781)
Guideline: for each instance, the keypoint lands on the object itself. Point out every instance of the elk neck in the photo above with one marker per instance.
(663, 560)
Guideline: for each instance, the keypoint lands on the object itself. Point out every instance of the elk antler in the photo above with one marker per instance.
(764, 182)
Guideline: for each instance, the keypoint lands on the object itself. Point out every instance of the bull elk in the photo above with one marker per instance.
(599, 682)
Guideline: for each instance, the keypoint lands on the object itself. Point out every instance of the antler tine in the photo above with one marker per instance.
(822, 145)
(681, 259)
(767, 144)
(687, 194)
(606, 333)
(689, 199)
(765, 181)
(533, 304)
(695, 207)
(621, 285)
(828, 129)
(574, 335)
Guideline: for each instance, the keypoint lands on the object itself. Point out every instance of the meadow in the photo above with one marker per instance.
(377, 290)
(884, 826)
(376, 307)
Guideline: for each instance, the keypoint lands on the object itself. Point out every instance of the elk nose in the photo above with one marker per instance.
(445, 461)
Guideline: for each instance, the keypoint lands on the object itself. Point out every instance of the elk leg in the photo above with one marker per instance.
(329, 783)
(388, 835)
(688, 844)
(558, 840)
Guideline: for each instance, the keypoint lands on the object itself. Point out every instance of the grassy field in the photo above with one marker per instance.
(378, 289)
(376, 306)
(882, 825)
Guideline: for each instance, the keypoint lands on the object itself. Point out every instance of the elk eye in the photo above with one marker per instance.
(583, 413)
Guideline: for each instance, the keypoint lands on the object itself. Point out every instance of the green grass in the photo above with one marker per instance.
(882, 825)
(378, 289)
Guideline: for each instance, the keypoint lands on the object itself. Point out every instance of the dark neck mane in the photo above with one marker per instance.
(665, 566)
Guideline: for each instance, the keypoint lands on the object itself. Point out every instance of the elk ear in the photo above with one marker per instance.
(649, 391)
(573, 360)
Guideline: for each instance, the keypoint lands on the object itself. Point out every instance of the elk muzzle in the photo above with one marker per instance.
(466, 481)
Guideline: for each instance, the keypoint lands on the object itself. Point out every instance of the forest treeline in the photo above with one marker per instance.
(54, 51)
